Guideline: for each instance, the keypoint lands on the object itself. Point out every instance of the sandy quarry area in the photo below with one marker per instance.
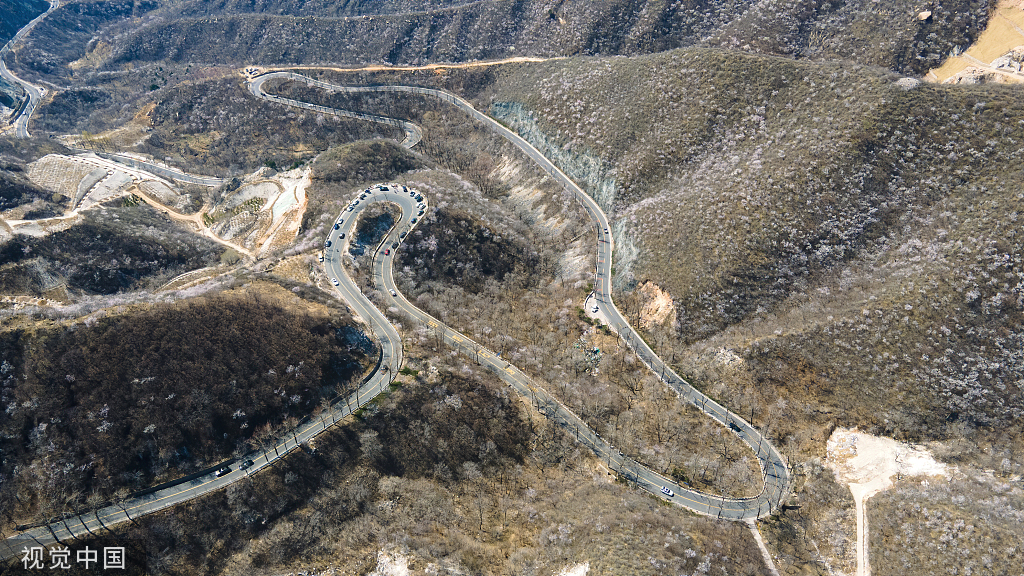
(996, 56)
(870, 464)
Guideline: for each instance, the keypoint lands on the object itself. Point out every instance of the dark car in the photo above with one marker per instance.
(413, 220)
(734, 427)
(327, 244)
(342, 235)
(338, 225)
(394, 244)
(384, 188)
(245, 465)
(224, 471)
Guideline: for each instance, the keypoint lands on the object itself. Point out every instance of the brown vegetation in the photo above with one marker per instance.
(129, 400)
(486, 487)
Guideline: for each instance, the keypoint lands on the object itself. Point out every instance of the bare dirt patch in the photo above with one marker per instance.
(868, 464)
(984, 60)
(657, 305)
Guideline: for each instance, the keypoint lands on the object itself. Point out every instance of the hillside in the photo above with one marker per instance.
(110, 34)
(17, 13)
(806, 231)
(127, 401)
(830, 225)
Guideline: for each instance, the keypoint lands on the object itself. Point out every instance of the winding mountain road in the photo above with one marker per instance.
(773, 468)
(34, 93)
(774, 471)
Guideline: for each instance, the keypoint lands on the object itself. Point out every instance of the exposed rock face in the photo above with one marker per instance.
(657, 305)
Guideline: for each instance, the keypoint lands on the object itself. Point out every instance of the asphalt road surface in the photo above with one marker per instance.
(34, 93)
(726, 508)
(413, 134)
(159, 170)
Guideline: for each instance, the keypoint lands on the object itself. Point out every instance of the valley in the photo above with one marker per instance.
(796, 234)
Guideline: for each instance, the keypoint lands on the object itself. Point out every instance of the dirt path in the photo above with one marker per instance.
(867, 464)
(1005, 31)
(194, 219)
(257, 70)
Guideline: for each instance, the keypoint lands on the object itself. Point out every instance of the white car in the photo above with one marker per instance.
(334, 281)
(667, 492)
(393, 293)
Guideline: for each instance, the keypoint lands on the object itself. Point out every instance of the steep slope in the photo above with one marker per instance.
(17, 13)
(835, 225)
(112, 34)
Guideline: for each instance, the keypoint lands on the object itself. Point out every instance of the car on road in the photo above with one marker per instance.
(595, 309)
(320, 257)
(402, 235)
(223, 471)
(667, 492)
(387, 252)
(394, 244)
(341, 236)
(245, 465)
(334, 281)
(350, 208)
(413, 221)
(338, 225)
(421, 213)
(734, 427)
(327, 244)
(384, 188)
(393, 293)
